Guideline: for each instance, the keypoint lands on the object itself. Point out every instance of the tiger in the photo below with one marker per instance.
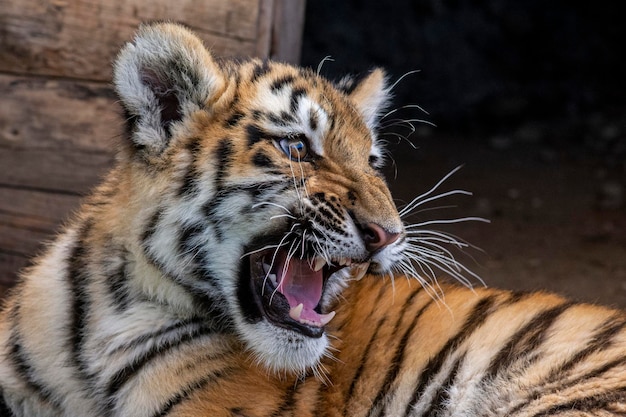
(245, 258)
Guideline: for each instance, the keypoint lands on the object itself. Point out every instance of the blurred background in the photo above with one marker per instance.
(529, 98)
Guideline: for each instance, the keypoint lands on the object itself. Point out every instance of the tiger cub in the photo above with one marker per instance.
(203, 277)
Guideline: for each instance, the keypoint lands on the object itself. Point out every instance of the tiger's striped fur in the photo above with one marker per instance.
(201, 278)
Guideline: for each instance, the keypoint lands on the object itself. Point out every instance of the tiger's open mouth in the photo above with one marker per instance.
(289, 291)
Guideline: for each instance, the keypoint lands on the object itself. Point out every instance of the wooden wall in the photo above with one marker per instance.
(58, 114)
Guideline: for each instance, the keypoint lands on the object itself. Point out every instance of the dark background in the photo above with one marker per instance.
(529, 96)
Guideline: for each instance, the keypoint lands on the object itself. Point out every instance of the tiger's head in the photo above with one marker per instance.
(256, 193)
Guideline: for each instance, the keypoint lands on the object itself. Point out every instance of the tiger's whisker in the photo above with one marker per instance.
(402, 77)
(290, 253)
(437, 185)
(278, 216)
(449, 221)
(416, 203)
(270, 203)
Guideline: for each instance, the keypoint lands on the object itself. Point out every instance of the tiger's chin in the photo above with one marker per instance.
(285, 300)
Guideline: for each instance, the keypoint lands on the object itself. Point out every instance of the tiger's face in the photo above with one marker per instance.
(257, 194)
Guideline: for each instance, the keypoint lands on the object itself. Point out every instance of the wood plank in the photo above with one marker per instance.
(21, 235)
(45, 207)
(80, 38)
(288, 24)
(53, 170)
(58, 114)
(264, 28)
(56, 134)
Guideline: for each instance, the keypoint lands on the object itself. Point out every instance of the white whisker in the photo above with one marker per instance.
(449, 221)
(406, 74)
(269, 203)
(407, 123)
(261, 250)
(327, 58)
(416, 203)
(437, 185)
(278, 216)
(408, 106)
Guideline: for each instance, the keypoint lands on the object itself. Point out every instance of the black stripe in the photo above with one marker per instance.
(396, 362)
(261, 160)
(313, 120)
(223, 154)
(282, 119)
(234, 119)
(162, 332)
(187, 391)
(118, 288)
(281, 82)
(255, 134)
(373, 160)
(189, 186)
(555, 376)
(78, 280)
(588, 404)
(123, 375)
(5, 411)
(595, 373)
(262, 191)
(354, 81)
(296, 93)
(288, 402)
(524, 341)
(363, 361)
(442, 395)
(602, 340)
(250, 308)
(188, 234)
(27, 372)
(480, 312)
(151, 227)
(603, 369)
(259, 70)
(319, 200)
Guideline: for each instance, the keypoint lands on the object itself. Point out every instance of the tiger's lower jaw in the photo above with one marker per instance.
(284, 301)
(282, 351)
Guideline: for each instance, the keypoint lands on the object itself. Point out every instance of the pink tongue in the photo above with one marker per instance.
(301, 285)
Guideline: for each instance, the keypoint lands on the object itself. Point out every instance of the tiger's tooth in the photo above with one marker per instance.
(318, 264)
(358, 271)
(272, 278)
(296, 312)
(326, 318)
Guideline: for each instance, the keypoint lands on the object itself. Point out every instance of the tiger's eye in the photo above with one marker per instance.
(295, 148)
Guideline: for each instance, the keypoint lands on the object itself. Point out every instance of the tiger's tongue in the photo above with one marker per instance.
(302, 287)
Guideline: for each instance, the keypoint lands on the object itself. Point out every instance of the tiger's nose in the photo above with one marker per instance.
(376, 237)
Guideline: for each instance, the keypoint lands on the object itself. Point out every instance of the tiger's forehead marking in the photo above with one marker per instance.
(293, 109)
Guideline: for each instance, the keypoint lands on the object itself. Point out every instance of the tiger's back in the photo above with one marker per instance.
(231, 263)
(399, 352)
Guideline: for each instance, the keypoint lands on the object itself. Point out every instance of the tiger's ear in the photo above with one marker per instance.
(370, 95)
(162, 76)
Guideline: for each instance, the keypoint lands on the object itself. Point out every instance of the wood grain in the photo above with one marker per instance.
(42, 113)
(80, 38)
